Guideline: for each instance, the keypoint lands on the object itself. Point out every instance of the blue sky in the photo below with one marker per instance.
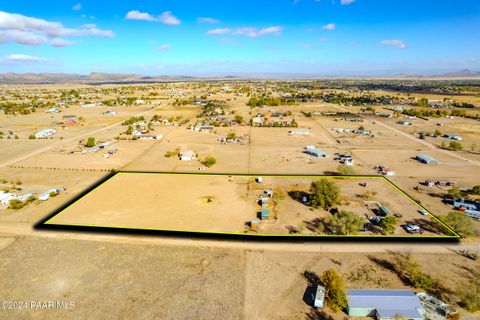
(207, 37)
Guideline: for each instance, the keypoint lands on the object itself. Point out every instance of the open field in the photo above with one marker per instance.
(224, 204)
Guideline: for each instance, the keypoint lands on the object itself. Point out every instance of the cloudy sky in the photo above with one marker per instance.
(214, 37)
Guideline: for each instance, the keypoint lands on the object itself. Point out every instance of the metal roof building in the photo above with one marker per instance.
(385, 304)
(426, 159)
(315, 152)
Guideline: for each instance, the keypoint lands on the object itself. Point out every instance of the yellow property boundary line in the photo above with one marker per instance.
(46, 223)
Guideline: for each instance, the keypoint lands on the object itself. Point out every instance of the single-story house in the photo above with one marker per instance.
(300, 132)
(385, 304)
(6, 197)
(44, 133)
(188, 155)
(315, 152)
(404, 123)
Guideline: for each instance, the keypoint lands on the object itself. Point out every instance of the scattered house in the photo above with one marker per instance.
(265, 214)
(257, 121)
(46, 195)
(319, 297)
(111, 113)
(404, 123)
(45, 133)
(426, 159)
(452, 136)
(385, 304)
(202, 127)
(364, 132)
(384, 114)
(70, 120)
(52, 110)
(299, 132)
(6, 197)
(188, 155)
(254, 224)
(24, 197)
(314, 152)
(383, 211)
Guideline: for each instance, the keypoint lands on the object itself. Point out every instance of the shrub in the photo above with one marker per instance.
(209, 161)
(334, 290)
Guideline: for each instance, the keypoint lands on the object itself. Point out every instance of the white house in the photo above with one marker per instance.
(188, 155)
(45, 133)
(5, 197)
(301, 132)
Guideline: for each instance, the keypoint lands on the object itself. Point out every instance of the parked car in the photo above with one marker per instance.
(411, 228)
(425, 213)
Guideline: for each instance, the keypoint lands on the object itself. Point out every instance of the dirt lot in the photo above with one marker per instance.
(129, 281)
(224, 204)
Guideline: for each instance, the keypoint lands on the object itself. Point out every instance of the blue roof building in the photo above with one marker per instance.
(385, 304)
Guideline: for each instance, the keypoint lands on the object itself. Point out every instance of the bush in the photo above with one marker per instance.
(345, 170)
(324, 193)
(209, 161)
(460, 223)
(32, 136)
(344, 223)
(90, 142)
(470, 296)
(231, 135)
(455, 145)
(172, 153)
(476, 190)
(388, 225)
(334, 290)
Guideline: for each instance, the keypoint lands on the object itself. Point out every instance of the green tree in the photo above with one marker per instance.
(455, 145)
(476, 190)
(455, 192)
(345, 170)
(209, 161)
(231, 135)
(90, 142)
(334, 290)
(388, 224)
(459, 222)
(324, 193)
(345, 223)
(238, 119)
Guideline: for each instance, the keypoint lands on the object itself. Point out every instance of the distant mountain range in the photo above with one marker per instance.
(113, 78)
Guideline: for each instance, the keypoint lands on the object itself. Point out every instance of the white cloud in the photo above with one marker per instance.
(22, 59)
(330, 26)
(168, 18)
(77, 7)
(32, 31)
(397, 43)
(346, 2)
(60, 43)
(164, 48)
(247, 31)
(255, 33)
(137, 15)
(207, 20)
(219, 31)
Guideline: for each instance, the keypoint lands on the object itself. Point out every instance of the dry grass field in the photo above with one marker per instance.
(206, 203)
